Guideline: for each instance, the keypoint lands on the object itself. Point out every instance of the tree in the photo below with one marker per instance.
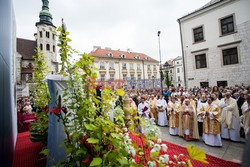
(41, 94)
(167, 81)
(39, 130)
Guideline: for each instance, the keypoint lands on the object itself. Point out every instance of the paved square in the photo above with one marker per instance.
(229, 151)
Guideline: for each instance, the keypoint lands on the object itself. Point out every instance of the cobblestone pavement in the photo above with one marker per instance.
(229, 151)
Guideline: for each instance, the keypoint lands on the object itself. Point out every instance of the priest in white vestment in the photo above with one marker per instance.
(143, 111)
(230, 120)
(246, 114)
(211, 123)
(161, 105)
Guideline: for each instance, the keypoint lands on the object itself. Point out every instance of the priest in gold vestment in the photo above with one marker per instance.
(211, 123)
(173, 108)
(153, 111)
(188, 125)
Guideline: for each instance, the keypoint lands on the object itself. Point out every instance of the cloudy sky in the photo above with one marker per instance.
(118, 24)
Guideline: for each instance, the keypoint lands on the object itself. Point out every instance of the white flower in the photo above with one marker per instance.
(151, 164)
(161, 159)
(164, 158)
(179, 163)
(125, 129)
(181, 155)
(151, 143)
(183, 162)
(153, 150)
(164, 147)
(175, 156)
(170, 162)
(133, 152)
(159, 141)
(157, 147)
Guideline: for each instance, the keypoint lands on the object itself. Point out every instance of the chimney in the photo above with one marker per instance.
(96, 47)
(107, 48)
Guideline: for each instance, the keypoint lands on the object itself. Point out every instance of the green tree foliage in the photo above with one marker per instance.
(167, 79)
(39, 130)
(41, 94)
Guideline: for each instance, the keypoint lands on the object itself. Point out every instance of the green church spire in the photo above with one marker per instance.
(45, 16)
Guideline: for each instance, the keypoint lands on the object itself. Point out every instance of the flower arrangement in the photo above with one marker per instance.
(93, 139)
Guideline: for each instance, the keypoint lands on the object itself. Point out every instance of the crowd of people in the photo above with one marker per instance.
(209, 113)
(25, 114)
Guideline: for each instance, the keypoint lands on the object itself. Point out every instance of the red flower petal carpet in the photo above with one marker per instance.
(27, 153)
(176, 150)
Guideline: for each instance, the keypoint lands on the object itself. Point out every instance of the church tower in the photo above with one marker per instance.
(46, 39)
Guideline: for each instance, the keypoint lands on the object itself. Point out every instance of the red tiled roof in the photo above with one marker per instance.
(26, 48)
(117, 54)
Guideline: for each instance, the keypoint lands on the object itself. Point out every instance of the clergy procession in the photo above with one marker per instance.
(211, 114)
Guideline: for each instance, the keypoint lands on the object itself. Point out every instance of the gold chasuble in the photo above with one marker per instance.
(188, 122)
(173, 113)
(211, 119)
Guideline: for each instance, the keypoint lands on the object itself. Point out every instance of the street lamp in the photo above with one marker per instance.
(161, 74)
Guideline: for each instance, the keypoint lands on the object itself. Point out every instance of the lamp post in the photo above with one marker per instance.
(161, 74)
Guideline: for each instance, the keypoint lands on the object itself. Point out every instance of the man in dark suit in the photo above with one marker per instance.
(240, 100)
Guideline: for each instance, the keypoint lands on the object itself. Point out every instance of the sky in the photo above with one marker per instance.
(117, 24)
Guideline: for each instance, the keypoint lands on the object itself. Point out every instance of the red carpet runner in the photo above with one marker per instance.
(27, 153)
(176, 150)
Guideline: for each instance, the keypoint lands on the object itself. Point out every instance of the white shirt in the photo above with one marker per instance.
(161, 102)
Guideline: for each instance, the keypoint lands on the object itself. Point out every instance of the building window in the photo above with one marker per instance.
(103, 77)
(131, 66)
(124, 76)
(111, 65)
(230, 56)
(102, 65)
(149, 67)
(149, 76)
(41, 46)
(53, 36)
(139, 76)
(178, 70)
(179, 78)
(227, 25)
(171, 78)
(200, 61)
(155, 68)
(132, 76)
(177, 62)
(112, 76)
(204, 84)
(138, 66)
(222, 83)
(47, 34)
(48, 47)
(124, 66)
(54, 48)
(170, 71)
(198, 34)
(41, 34)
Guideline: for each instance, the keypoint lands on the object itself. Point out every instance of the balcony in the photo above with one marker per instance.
(138, 70)
(102, 69)
(132, 70)
(124, 70)
(111, 70)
